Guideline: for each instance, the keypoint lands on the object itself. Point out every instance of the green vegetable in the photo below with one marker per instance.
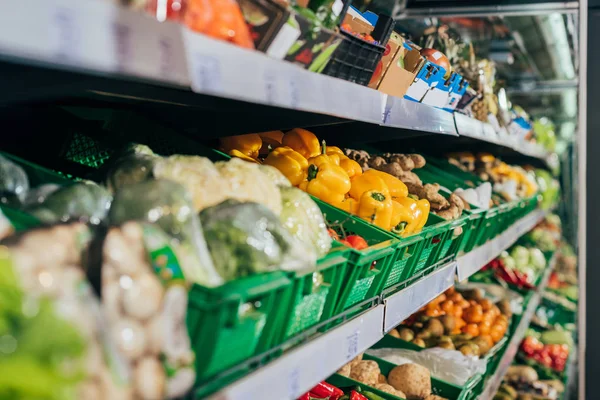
(134, 164)
(521, 256)
(82, 200)
(537, 259)
(303, 218)
(247, 238)
(557, 337)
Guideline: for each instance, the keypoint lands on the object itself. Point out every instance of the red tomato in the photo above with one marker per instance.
(357, 242)
(344, 242)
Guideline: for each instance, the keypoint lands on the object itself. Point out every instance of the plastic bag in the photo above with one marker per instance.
(145, 296)
(169, 205)
(135, 164)
(14, 183)
(448, 365)
(304, 219)
(85, 201)
(480, 197)
(54, 343)
(247, 238)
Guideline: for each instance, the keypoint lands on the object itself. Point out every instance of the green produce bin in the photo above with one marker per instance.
(407, 253)
(488, 226)
(435, 234)
(230, 323)
(310, 305)
(456, 236)
(439, 387)
(472, 229)
(365, 272)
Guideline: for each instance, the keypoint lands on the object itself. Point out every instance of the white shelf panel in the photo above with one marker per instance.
(476, 259)
(301, 369)
(493, 383)
(406, 114)
(406, 302)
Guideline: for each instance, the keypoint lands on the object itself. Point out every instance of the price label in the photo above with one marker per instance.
(123, 47)
(294, 92)
(352, 345)
(166, 56)
(207, 70)
(294, 382)
(66, 35)
(270, 79)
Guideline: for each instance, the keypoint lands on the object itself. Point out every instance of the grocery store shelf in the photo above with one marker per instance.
(473, 261)
(493, 383)
(403, 304)
(296, 372)
(487, 9)
(472, 128)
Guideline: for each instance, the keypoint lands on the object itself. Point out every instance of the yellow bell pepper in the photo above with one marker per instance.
(290, 163)
(303, 141)
(363, 183)
(351, 167)
(349, 205)
(246, 144)
(396, 187)
(328, 182)
(333, 158)
(424, 207)
(239, 154)
(376, 207)
(404, 215)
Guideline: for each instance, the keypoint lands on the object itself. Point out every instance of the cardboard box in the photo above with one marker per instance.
(264, 18)
(456, 94)
(439, 95)
(392, 47)
(401, 71)
(428, 77)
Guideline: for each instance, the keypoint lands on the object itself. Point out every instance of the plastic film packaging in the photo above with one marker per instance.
(14, 183)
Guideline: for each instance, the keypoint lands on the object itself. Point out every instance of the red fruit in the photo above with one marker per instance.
(357, 242)
(345, 242)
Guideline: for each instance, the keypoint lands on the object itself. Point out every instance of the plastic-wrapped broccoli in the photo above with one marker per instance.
(85, 201)
(13, 182)
(247, 238)
(303, 218)
(169, 205)
(135, 164)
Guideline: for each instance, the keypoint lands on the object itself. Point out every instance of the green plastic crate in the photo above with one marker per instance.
(471, 229)
(308, 307)
(435, 234)
(231, 323)
(455, 238)
(406, 255)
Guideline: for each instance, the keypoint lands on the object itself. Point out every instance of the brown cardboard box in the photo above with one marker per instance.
(401, 72)
(391, 48)
(358, 25)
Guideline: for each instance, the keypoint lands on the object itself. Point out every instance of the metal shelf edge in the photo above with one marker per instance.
(476, 259)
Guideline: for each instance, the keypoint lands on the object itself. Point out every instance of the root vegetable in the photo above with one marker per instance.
(345, 370)
(406, 334)
(382, 378)
(366, 371)
(180, 383)
(405, 162)
(130, 337)
(412, 379)
(418, 160)
(435, 327)
(394, 332)
(410, 177)
(377, 162)
(356, 360)
(386, 388)
(419, 342)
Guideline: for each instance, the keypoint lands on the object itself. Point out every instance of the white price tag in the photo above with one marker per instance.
(294, 382)
(123, 47)
(270, 79)
(294, 92)
(352, 345)
(207, 70)
(66, 35)
(166, 56)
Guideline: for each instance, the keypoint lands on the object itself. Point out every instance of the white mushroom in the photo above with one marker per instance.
(156, 333)
(180, 383)
(44, 247)
(149, 379)
(89, 390)
(130, 338)
(143, 299)
(111, 300)
(117, 252)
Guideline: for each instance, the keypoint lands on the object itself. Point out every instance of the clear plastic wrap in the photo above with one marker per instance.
(274, 175)
(169, 205)
(448, 365)
(13, 182)
(304, 219)
(53, 341)
(85, 201)
(135, 164)
(144, 297)
(247, 238)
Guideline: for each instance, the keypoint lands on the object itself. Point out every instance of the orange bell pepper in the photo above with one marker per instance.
(246, 144)
(302, 141)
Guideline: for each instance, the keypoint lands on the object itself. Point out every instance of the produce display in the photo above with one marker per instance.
(266, 245)
(522, 381)
(467, 322)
